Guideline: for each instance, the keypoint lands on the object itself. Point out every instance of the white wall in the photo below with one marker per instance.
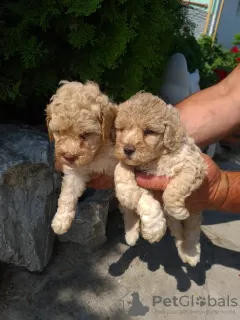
(229, 23)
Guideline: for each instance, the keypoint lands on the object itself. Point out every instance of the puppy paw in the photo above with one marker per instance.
(181, 252)
(153, 232)
(177, 213)
(153, 223)
(131, 238)
(193, 260)
(190, 255)
(61, 225)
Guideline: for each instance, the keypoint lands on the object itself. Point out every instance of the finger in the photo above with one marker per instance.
(58, 166)
(102, 184)
(152, 182)
(95, 176)
(95, 184)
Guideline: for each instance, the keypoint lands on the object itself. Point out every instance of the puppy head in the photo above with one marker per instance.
(80, 120)
(146, 128)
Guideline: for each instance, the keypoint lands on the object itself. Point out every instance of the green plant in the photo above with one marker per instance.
(121, 44)
(213, 58)
(236, 40)
(209, 53)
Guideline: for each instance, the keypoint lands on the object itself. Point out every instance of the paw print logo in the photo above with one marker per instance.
(201, 301)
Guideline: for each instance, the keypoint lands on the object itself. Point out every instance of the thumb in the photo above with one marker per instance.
(152, 182)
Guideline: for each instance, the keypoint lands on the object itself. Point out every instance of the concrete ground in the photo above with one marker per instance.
(142, 282)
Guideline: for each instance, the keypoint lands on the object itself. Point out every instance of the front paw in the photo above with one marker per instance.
(189, 254)
(153, 231)
(178, 213)
(131, 238)
(61, 224)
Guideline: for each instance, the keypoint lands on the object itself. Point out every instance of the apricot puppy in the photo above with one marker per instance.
(151, 138)
(80, 119)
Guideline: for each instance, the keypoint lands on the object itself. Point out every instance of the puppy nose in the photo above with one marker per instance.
(69, 157)
(129, 149)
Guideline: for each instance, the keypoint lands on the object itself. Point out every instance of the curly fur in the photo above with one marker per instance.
(160, 146)
(80, 120)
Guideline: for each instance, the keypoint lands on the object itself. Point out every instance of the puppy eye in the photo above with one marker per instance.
(147, 132)
(119, 129)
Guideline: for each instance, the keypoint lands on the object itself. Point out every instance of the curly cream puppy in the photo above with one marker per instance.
(151, 138)
(80, 119)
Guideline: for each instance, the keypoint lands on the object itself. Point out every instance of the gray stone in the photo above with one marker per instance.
(29, 189)
(28, 197)
(89, 226)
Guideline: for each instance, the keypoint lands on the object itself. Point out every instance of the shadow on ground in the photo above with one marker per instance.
(75, 286)
(215, 217)
(72, 287)
(164, 255)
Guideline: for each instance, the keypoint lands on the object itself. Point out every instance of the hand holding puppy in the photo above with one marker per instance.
(201, 199)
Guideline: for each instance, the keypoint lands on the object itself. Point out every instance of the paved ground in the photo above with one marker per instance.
(143, 282)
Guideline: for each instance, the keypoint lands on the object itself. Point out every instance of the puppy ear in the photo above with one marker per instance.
(174, 132)
(50, 135)
(107, 118)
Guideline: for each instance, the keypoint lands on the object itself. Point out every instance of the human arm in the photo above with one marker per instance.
(208, 115)
(220, 189)
(213, 113)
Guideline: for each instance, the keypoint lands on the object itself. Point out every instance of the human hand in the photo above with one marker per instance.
(101, 182)
(206, 197)
(58, 166)
(97, 181)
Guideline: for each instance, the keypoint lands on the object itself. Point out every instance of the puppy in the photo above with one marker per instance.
(151, 138)
(80, 120)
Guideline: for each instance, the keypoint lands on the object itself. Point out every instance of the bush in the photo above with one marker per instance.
(121, 44)
(189, 47)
